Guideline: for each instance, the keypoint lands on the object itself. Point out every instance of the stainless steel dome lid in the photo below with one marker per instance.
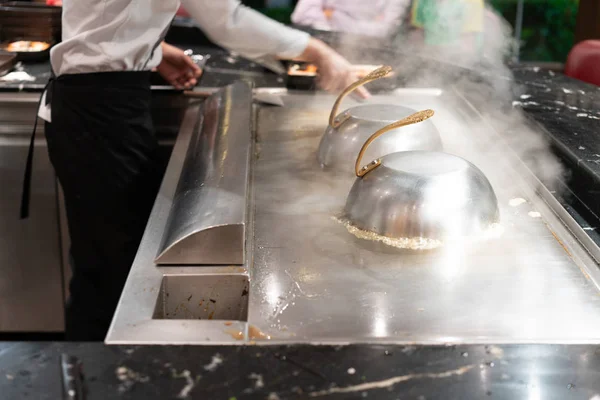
(347, 131)
(420, 194)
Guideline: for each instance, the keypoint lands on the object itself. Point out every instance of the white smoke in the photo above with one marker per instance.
(475, 65)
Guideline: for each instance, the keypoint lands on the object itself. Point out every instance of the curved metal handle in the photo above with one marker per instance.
(372, 76)
(419, 116)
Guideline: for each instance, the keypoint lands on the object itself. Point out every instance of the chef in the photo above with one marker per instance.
(380, 18)
(99, 129)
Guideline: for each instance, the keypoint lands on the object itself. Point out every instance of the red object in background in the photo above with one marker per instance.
(583, 62)
(182, 13)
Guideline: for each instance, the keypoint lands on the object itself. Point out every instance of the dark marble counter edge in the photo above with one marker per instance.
(31, 370)
(568, 111)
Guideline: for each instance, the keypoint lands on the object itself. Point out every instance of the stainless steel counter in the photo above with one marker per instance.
(309, 280)
(31, 282)
(34, 284)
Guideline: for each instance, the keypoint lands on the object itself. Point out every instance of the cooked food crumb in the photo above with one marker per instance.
(517, 201)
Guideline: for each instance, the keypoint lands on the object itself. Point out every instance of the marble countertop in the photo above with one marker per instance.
(569, 109)
(32, 370)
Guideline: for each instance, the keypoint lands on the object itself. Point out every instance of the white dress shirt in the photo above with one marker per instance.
(123, 35)
(367, 17)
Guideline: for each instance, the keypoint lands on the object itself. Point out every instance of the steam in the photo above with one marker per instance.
(476, 66)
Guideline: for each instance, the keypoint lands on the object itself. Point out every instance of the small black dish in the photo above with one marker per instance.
(28, 56)
(301, 76)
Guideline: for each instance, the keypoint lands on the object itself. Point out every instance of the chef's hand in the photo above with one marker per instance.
(335, 72)
(177, 68)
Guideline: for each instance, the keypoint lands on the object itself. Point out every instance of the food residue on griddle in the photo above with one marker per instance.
(534, 214)
(517, 201)
(416, 243)
(237, 335)
(256, 333)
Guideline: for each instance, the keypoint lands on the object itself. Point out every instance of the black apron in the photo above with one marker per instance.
(107, 160)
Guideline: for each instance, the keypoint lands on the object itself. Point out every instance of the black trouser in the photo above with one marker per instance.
(106, 157)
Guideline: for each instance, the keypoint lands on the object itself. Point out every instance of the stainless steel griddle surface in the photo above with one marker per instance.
(309, 280)
(312, 281)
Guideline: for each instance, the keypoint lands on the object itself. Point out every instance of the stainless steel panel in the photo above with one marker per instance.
(17, 113)
(208, 218)
(37, 275)
(135, 318)
(312, 281)
(31, 296)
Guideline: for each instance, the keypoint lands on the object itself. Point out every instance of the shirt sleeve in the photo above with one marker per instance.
(243, 30)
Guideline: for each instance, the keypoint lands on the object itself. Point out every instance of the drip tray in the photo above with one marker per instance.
(206, 297)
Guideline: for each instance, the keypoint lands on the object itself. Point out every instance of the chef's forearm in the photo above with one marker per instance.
(238, 28)
(315, 50)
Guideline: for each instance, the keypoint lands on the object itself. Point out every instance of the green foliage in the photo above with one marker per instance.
(282, 14)
(548, 27)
